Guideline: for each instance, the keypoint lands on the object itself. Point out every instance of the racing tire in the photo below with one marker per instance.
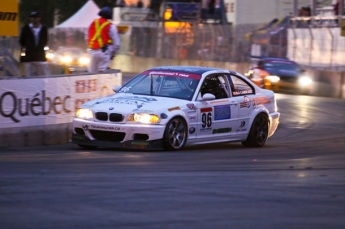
(258, 133)
(175, 134)
(87, 147)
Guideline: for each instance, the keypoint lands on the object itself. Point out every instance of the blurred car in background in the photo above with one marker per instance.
(280, 75)
(76, 59)
(49, 54)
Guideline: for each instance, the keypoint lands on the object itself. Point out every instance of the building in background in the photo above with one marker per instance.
(262, 11)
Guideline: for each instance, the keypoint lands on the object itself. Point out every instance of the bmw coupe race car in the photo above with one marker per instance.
(175, 106)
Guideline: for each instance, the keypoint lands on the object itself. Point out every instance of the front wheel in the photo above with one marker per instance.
(175, 134)
(258, 133)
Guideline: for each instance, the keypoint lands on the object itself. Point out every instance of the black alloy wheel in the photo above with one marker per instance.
(258, 132)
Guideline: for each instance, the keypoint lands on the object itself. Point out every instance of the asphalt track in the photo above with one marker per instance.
(296, 181)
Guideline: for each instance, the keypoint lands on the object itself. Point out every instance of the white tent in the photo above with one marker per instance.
(82, 18)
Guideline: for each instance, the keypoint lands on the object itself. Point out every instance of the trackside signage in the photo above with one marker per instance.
(46, 101)
(9, 18)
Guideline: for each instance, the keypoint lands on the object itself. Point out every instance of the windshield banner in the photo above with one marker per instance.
(174, 74)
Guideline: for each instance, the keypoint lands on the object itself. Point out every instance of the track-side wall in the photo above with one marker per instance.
(39, 111)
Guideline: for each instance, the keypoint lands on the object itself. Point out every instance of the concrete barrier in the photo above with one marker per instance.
(327, 83)
(36, 135)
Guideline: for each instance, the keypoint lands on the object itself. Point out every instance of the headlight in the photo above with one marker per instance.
(83, 60)
(249, 73)
(66, 59)
(305, 81)
(50, 55)
(144, 118)
(84, 113)
(273, 79)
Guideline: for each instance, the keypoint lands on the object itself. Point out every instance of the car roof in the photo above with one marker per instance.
(286, 60)
(189, 69)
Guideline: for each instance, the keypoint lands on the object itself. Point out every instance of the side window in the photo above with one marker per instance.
(216, 85)
(240, 86)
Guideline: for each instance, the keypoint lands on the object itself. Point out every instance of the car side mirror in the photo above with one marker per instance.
(208, 96)
(116, 88)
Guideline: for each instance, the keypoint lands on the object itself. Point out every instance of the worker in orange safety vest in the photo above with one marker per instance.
(102, 40)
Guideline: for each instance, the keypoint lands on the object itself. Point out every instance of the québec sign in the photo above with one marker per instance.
(49, 101)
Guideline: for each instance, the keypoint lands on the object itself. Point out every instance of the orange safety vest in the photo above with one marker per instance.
(99, 34)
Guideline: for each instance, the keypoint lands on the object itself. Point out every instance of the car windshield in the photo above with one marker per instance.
(172, 84)
(282, 66)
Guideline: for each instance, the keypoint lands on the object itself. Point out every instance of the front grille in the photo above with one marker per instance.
(108, 135)
(115, 117)
(103, 116)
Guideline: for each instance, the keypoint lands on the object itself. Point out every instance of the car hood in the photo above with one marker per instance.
(128, 103)
(283, 72)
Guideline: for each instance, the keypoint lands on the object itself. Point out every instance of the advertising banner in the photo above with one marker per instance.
(9, 18)
(46, 101)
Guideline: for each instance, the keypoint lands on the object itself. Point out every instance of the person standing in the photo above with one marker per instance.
(33, 38)
(140, 4)
(154, 7)
(103, 41)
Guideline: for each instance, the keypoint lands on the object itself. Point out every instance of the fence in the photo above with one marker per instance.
(223, 43)
(190, 41)
(317, 41)
(193, 41)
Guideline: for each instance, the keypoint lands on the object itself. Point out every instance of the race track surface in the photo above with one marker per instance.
(297, 180)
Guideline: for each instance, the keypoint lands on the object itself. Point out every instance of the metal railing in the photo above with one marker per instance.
(9, 66)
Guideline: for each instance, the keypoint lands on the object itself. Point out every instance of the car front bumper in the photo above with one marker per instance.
(274, 121)
(142, 136)
(288, 87)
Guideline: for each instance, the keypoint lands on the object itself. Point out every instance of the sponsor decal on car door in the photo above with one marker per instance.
(244, 112)
(216, 118)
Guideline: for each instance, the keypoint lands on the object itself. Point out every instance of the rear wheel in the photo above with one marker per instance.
(175, 135)
(258, 132)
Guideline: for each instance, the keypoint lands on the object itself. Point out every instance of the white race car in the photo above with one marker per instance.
(175, 106)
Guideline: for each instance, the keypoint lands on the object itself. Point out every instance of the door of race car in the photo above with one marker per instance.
(243, 93)
(216, 117)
